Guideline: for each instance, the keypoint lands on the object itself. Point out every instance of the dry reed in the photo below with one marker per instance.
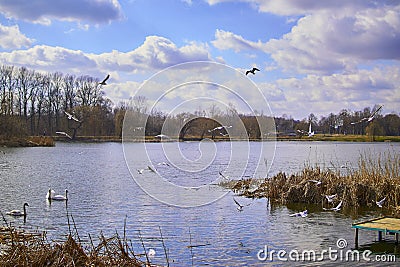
(18, 248)
(374, 179)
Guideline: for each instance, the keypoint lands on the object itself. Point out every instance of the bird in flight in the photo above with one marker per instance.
(220, 128)
(239, 206)
(337, 208)
(380, 202)
(71, 117)
(223, 176)
(105, 79)
(151, 169)
(316, 182)
(370, 118)
(331, 197)
(65, 134)
(300, 214)
(253, 70)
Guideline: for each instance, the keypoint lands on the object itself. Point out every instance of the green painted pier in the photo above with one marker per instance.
(383, 225)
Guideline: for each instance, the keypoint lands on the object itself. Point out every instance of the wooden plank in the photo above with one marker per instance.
(386, 224)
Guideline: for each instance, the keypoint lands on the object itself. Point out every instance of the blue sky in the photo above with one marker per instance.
(314, 56)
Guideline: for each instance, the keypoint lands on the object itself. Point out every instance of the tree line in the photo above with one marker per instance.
(34, 103)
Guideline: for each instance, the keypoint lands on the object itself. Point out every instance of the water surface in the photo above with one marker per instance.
(103, 194)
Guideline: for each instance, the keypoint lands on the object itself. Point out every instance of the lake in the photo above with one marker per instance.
(198, 219)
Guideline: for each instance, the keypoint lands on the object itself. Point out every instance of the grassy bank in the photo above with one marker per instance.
(318, 137)
(30, 141)
(341, 138)
(374, 179)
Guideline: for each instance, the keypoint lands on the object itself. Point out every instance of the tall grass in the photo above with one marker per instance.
(18, 248)
(376, 177)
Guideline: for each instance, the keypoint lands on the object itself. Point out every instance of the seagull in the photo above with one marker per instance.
(65, 134)
(331, 197)
(161, 136)
(380, 202)
(223, 176)
(105, 79)
(300, 214)
(140, 171)
(151, 169)
(163, 163)
(220, 128)
(252, 71)
(316, 182)
(151, 252)
(239, 206)
(71, 117)
(337, 208)
(370, 118)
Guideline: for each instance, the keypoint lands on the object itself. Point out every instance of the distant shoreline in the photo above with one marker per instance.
(49, 141)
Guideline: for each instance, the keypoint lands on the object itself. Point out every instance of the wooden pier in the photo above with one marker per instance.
(386, 225)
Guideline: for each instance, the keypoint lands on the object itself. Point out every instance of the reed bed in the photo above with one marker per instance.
(374, 179)
(19, 248)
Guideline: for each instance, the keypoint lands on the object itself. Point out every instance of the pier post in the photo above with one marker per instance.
(397, 238)
(356, 238)
(379, 236)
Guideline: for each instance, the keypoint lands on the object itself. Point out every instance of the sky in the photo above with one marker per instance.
(314, 56)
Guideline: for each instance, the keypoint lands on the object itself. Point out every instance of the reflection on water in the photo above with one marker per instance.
(103, 194)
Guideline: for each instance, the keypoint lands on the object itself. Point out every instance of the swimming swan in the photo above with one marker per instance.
(18, 212)
(51, 196)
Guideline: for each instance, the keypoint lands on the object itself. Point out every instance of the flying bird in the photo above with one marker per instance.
(151, 169)
(337, 208)
(161, 136)
(253, 70)
(223, 176)
(220, 128)
(65, 134)
(316, 182)
(239, 206)
(300, 214)
(71, 117)
(105, 79)
(380, 202)
(370, 118)
(330, 198)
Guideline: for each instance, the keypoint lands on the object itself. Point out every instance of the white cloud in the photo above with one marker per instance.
(331, 93)
(303, 7)
(12, 38)
(43, 11)
(228, 40)
(154, 54)
(328, 41)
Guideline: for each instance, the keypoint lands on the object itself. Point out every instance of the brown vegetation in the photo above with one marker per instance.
(373, 180)
(23, 249)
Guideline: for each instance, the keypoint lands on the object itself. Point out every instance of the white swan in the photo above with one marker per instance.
(57, 197)
(18, 212)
